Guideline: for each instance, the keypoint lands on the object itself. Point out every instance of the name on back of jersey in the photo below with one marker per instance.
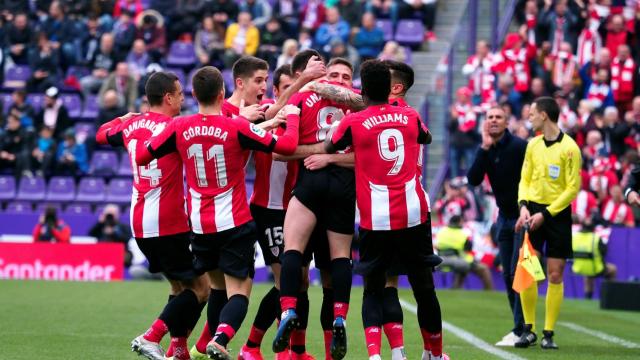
(372, 121)
(150, 125)
(312, 100)
(204, 130)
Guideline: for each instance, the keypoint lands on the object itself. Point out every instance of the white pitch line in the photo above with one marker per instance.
(600, 335)
(468, 337)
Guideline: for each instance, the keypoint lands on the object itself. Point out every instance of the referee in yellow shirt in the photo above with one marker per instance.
(549, 182)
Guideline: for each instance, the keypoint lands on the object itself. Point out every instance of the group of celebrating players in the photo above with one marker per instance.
(320, 148)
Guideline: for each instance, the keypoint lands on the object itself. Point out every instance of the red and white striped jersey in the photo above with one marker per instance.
(618, 213)
(230, 110)
(602, 181)
(385, 141)
(316, 116)
(212, 148)
(585, 204)
(157, 203)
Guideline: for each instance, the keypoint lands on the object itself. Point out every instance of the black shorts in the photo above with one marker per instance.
(555, 233)
(330, 193)
(169, 255)
(396, 252)
(269, 226)
(232, 251)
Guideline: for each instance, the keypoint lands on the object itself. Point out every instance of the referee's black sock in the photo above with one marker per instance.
(267, 312)
(341, 279)
(178, 313)
(231, 318)
(290, 279)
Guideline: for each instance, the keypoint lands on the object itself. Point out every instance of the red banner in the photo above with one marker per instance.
(45, 261)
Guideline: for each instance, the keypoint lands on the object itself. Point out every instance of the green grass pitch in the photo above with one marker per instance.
(63, 320)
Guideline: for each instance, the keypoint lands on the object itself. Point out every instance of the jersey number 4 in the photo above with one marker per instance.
(215, 153)
(386, 140)
(149, 172)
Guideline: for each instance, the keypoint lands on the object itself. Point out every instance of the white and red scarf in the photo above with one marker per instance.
(589, 45)
(467, 117)
(564, 69)
(622, 79)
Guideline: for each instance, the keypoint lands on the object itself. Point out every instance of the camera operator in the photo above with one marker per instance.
(110, 229)
(50, 228)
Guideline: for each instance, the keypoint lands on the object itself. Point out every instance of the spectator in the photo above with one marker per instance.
(19, 36)
(453, 204)
(393, 51)
(90, 41)
(110, 229)
(242, 38)
(288, 13)
(260, 11)
(567, 120)
(615, 211)
(560, 23)
(151, 30)
(43, 153)
(51, 229)
(209, 41)
(599, 93)
(124, 84)
(138, 59)
(370, 39)
(531, 22)
(514, 60)
(305, 40)
(589, 257)
(454, 246)
(594, 147)
(585, 205)
(124, 33)
(427, 11)
(563, 66)
(333, 28)
(20, 108)
(614, 131)
(223, 10)
(110, 107)
(185, 18)
(601, 177)
(589, 42)
(271, 40)
(538, 89)
(623, 75)
(61, 32)
(481, 78)
(102, 64)
(350, 11)
(313, 15)
(384, 9)
(54, 114)
(617, 35)
(133, 7)
(601, 62)
(44, 62)
(464, 135)
(72, 158)
(14, 147)
(506, 93)
(345, 51)
(289, 50)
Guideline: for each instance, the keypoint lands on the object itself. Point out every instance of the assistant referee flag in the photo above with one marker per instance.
(528, 269)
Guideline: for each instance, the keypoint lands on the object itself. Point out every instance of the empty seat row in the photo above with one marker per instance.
(64, 189)
(25, 207)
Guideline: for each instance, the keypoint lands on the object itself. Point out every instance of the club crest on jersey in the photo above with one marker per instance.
(275, 251)
(256, 130)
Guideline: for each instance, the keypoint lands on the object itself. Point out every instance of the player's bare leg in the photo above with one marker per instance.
(341, 275)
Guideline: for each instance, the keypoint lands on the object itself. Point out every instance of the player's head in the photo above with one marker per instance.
(542, 110)
(401, 77)
(340, 71)
(455, 221)
(282, 79)
(376, 81)
(250, 78)
(208, 86)
(163, 90)
(299, 62)
(496, 121)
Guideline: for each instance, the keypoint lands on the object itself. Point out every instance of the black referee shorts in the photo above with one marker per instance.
(553, 238)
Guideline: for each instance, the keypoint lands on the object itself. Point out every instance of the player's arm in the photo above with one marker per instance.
(253, 138)
(339, 137)
(424, 135)
(158, 146)
(337, 94)
(110, 133)
(319, 161)
(573, 164)
(301, 152)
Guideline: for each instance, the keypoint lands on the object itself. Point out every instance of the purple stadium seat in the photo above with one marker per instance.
(119, 191)
(227, 76)
(410, 32)
(31, 189)
(19, 207)
(181, 54)
(91, 190)
(40, 207)
(104, 163)
(61, 188)
(7, 101)
(16, 76)
(36, 100)
(83, 131)
(179, 73)
(73, 104)
(125, 165)
(190, 105)
(91, 108)
(387, 28)
(78, 209)
(7, 188)
(187, 86)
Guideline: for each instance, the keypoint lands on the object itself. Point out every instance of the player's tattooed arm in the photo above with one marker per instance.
(339, 95)
(302, 151)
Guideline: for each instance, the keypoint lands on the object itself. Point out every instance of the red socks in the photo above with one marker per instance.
(255, 337)
(180, 349)
(373, 338)
(432, 342)
(340, 309)
(204, 339)
(157, 330)
(394, 334)
(328, 335)
(288, 302)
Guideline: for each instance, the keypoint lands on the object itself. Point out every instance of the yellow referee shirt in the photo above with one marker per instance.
(551, 173)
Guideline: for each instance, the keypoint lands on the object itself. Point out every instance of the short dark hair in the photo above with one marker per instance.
(402, 73)
(376, 80)
(158, 85)
(207, 83)
(549, 106)
(282, 70)
(340, 61)
(21, 93)
(299, 62)
(246, 66)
